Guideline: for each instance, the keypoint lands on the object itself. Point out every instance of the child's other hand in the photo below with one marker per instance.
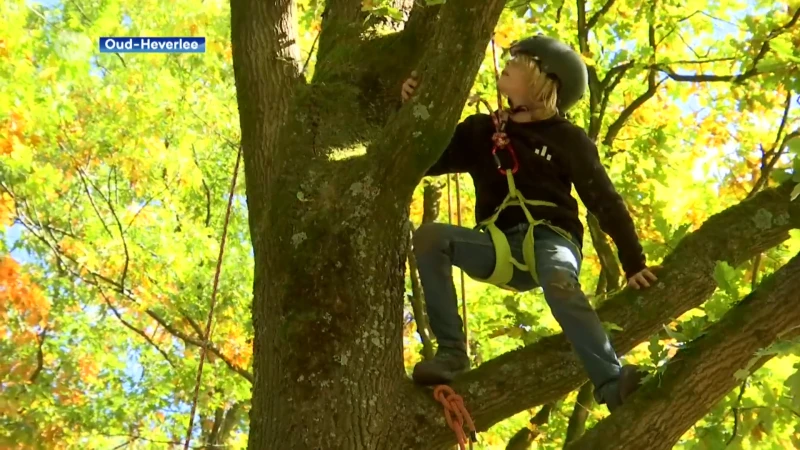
(409, 86)
(642, 279)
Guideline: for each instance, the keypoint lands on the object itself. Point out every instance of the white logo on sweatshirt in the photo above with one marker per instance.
(542, 152)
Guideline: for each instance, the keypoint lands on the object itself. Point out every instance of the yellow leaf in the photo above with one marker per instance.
(48, 73)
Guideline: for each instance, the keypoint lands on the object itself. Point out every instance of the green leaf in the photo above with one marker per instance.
(793, 384)
(781, 176)
(795, 192)
(794, 146)
(662, 226)
(725, 275)
(609, 326)
(675, 334)
(680, 233)
(796, 165)
(741, 374)
(655, 349)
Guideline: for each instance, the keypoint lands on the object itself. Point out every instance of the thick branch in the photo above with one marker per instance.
(700, 375)
(431, 193)
(267, 66)
(422, 20)
(605, 252)
(341, 22)
(548, 369)
(420, 131)
(430, 210)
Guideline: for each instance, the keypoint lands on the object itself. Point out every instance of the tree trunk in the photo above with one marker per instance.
(329, 231)
(699, 376)
(330, 168)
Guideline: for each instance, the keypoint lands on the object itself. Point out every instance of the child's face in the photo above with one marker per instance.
(513, 82)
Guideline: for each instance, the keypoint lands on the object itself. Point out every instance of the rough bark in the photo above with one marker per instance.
(547, 370)
(701, 374)
(329, 236)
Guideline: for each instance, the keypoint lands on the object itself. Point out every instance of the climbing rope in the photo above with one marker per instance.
(456, 414)
(207, 336)
(463, 288)
(461, 271)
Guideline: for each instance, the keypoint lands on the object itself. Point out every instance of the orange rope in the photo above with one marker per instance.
(455, 413)
(213, 302)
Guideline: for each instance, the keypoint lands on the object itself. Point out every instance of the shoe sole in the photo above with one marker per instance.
(431, 378)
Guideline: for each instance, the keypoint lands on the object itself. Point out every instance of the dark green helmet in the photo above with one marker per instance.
(559, 60)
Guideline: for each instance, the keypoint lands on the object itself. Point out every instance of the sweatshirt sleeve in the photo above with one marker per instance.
(601, 198)
(457, 157)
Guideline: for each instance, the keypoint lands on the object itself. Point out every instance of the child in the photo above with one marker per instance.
(543, 78)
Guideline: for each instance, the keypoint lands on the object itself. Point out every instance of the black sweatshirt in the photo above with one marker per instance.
(553, 154)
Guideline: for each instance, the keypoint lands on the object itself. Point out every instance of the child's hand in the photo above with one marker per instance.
(409, 86)
(642, 279)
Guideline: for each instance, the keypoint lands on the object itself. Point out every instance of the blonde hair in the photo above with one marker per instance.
(542, 89)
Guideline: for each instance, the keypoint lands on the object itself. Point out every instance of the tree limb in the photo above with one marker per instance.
(596, 16)
(608, 262)
(548, 369)
(430, 210)
(417, 136)
(577, 421)
(422, 20)
(652, 88)
(418, 306)
(131, 327)
(341, 22)
(771, 157)
(267, 70)
(198, 342)
(524, 438)
(701, 374)
(738, 78)
(39, 356)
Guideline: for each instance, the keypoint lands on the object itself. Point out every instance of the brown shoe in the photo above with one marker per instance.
(442, 369)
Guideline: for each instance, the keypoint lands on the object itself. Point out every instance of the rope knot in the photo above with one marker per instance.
(455, 414)
(500, 139)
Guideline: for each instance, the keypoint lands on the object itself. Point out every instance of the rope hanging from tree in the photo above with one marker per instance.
(207, 336)
(457, 179)
(455, 412)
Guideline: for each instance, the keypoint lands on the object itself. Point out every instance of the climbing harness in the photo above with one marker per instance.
(207, 336)
(456, 414)
(504, 261)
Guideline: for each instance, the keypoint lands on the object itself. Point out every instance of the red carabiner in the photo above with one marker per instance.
(513, 157)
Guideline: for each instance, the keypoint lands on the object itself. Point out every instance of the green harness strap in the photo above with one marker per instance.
(504, 260)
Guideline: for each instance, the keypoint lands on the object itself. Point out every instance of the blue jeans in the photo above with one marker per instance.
(438, 247)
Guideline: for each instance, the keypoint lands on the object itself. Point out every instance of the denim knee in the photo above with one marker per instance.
(430, 237)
